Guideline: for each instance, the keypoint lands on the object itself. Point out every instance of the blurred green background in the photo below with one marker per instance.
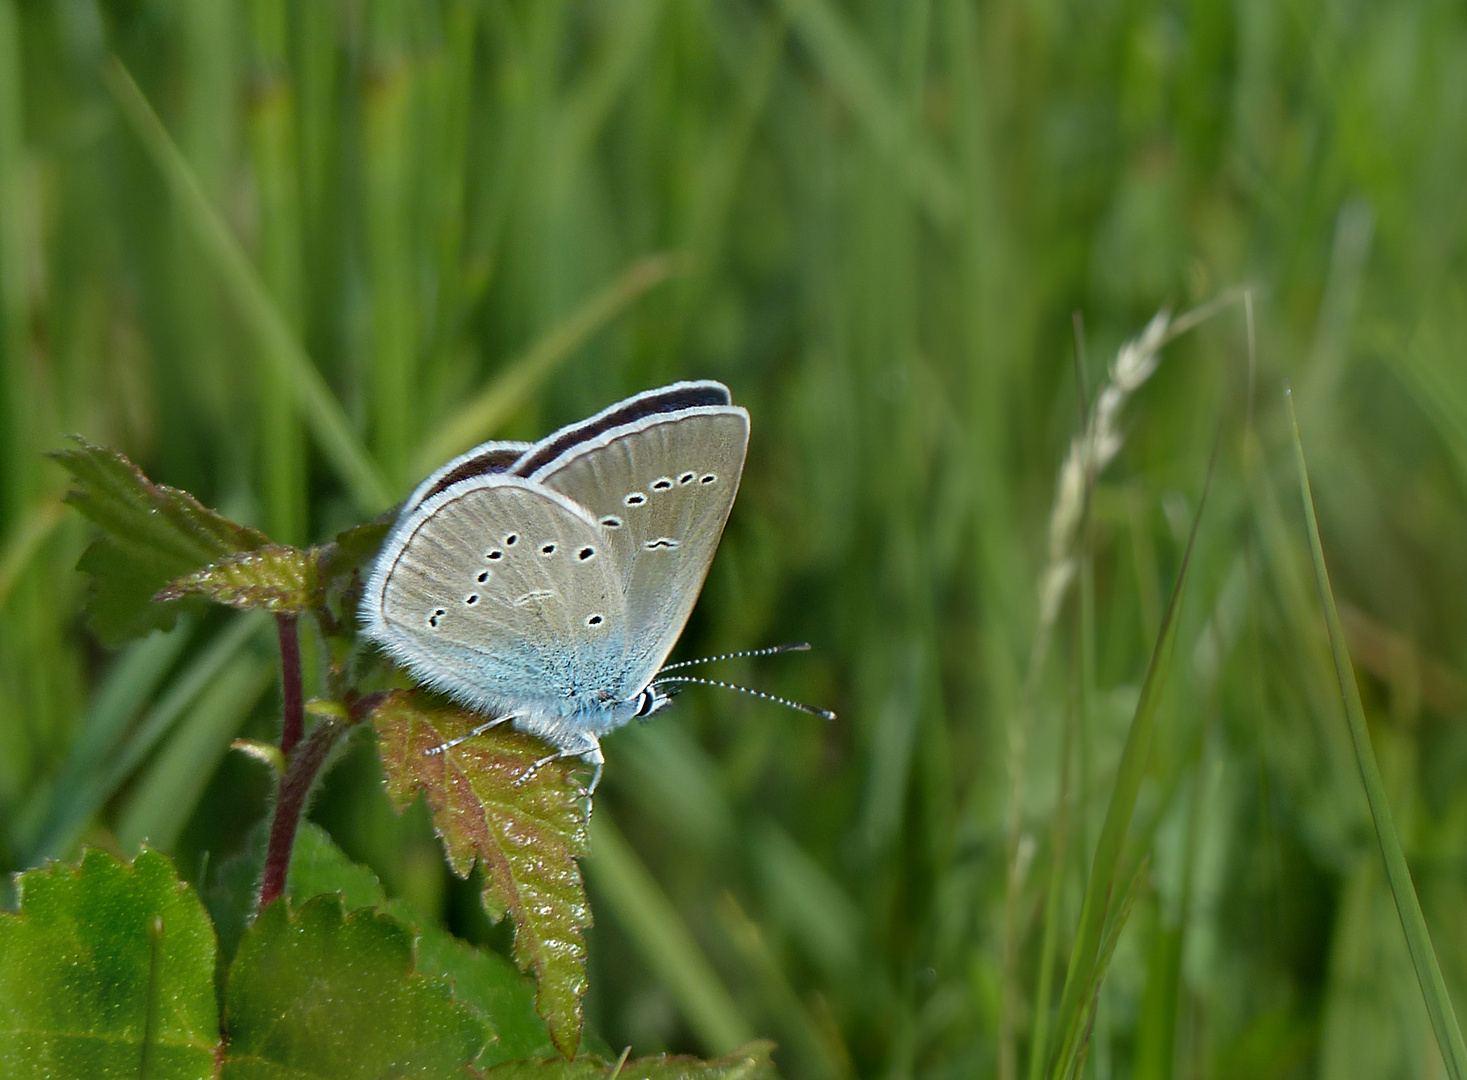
(370, 234)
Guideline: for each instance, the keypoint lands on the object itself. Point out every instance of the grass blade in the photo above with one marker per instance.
(17, 389)
(277, 169)
(1418, 939)
(279, 345)
(168, 791)
(1085, 961)
(478, 420)
(854, 75)
(25, 540)
(131, 682)
(1059, 842)
(65, 824)
(663, 939)
(388, 147)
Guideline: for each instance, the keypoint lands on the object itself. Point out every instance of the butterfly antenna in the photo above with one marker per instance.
(824, 714)
(791, 646)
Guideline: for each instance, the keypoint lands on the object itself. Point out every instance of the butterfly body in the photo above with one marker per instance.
(545, 584)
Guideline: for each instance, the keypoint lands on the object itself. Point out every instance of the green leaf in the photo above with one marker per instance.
(1418, 938)
(527, 837)
(274, 577)
(318, 866)
(342, 564)
(108, 971)
(749, 1062)
(152, 534)
(352, 549)
(323, 993)
(489, 982)
(480, 977)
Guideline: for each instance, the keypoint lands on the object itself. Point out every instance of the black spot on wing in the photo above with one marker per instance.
(674, 398)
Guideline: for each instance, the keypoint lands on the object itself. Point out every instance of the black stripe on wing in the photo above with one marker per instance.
(495, 460)
(668, 399)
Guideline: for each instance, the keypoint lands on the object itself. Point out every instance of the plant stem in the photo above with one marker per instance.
(303, 766)
(293, 723)
(295, 784)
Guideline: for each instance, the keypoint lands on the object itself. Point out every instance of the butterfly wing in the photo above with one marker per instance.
(661, 487)
(673, 398)
(501, 593)
(485, 459)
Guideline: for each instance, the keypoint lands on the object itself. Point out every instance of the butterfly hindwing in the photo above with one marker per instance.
(499, 592)
(660, 488)
(485, 459)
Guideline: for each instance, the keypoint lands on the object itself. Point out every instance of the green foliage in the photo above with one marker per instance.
(748, 1063)
(152, 534)
(480, 977)
(107, 972)
(1100, 923)
(272, 577)
(1418, 939)
(526, 834)
(286, 254)
(322, 992)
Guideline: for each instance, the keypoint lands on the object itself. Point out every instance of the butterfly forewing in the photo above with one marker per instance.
(676, 397)
(500, 592)
(660, 489)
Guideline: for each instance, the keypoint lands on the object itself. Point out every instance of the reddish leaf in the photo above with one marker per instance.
(526, 837)
(275, 578)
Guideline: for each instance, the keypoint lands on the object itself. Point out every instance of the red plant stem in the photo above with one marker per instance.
(290, 803)
(293, 723)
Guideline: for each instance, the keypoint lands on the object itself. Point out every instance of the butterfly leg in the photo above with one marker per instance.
(589, 748)
(451, 743)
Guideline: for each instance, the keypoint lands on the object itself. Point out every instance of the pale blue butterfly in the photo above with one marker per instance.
(545, 584)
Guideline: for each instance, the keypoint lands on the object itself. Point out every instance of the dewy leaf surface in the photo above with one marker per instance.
(103, 959)
(749, 1062)
(273, 577)
(152, 534)
(326, 994)
(481, 978)
(527, 837)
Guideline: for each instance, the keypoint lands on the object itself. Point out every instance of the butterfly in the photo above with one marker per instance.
(545, 584)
